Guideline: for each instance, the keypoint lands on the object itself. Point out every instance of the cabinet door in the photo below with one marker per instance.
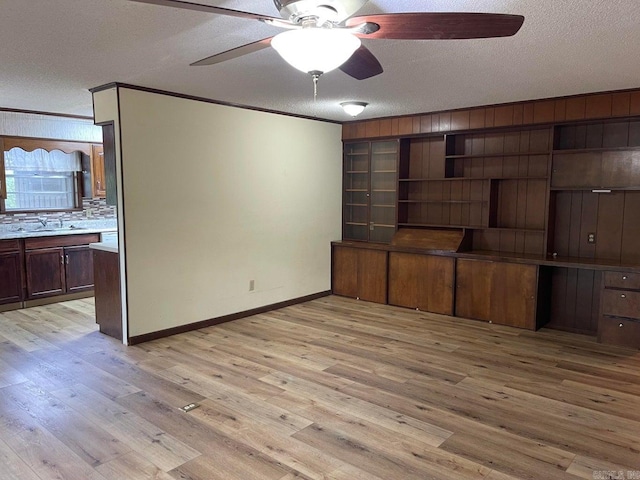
(370, 179)
(45, 272)
(360, 273)
(10, 277)
(97, 171)
(78, 268)
(424, 282)
(344, 271)
(355, 197)
(384, 177)
(372, 275)
(503, 293)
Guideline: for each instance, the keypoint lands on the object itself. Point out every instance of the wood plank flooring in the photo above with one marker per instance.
(330, 389)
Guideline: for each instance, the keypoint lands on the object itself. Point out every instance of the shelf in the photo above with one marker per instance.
(596, 149)
(355, 190)
(357, 171)
(384, 171)
(503, 154)
(356, 204)
(383, 225)
(508, 229)
(385, 152)
(590, 189)
(384, 206)
(440, 225)
(358, 224)
(458, 179)
(357, 154)
(383, 190)
(443, 201)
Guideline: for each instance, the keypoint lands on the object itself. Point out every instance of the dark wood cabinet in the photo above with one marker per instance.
(45, 272)
(108, 300)
(423, 282)
(359, 273)
(11, 272)
(502, 293)
(369, 196)
(58, 265)
(547, 194)
(619, 322)
(78, 268)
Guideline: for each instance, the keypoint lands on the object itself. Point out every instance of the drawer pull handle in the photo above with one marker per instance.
(621, 325)
(623, 296)
(624, 277)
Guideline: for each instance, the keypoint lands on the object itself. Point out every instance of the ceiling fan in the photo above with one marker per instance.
(324, 34)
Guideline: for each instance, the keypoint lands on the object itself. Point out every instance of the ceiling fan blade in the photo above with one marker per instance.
(235, 52)
(440, 26)
(209, 9)
(362, 64)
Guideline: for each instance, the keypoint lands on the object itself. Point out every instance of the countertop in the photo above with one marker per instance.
(12, 232)
(109, 246)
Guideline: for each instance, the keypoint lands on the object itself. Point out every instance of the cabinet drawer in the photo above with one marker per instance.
(621, 303)
(9, 246)
(617, 331)
(622, 280)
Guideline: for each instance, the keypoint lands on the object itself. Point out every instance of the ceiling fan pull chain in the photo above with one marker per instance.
(315, 75)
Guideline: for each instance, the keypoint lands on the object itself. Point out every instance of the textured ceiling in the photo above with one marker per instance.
(53, 51)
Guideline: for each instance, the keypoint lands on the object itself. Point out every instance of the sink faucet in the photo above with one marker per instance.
(60, 221)
(43, 221)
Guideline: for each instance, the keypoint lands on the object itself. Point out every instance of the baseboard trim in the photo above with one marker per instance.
(39, 302)
(10, 306)
(146, 337)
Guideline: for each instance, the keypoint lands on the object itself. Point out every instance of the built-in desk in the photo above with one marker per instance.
(526, 291)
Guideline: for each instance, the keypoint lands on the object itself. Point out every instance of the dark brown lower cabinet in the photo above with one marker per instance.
(78, 268)
(619, 322)
(11, 278)
(45, 272)
(107, 293)
(502, 293)
(58, 265)
(420, 281)
(359, 273)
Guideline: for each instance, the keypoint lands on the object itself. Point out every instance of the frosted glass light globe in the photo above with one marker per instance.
(315, 49)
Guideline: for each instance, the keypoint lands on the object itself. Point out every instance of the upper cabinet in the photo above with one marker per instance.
(370, 188)
(98, 184)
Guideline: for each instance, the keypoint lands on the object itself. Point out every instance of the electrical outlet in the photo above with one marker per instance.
(591, 238)
(252, 285)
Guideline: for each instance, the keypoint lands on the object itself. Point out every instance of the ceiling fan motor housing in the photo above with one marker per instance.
(334, 11)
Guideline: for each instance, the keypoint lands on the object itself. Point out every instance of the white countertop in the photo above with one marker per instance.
(109, 246)
(7, 234)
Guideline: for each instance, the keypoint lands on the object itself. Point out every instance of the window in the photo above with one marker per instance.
(40, 180)
(39, 190)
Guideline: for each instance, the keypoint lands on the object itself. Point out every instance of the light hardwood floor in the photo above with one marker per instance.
(330, 389)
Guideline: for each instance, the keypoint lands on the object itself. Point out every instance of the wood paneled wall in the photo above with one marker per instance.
(613, 217)
(574, 108)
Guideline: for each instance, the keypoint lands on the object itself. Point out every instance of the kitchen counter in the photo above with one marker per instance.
(13, 232)
(107, 246)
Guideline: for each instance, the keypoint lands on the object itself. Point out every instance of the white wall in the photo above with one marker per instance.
(216, 196)
(19, 124)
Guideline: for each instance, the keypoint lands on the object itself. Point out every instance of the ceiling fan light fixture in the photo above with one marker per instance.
(353, 108)
(315, 49)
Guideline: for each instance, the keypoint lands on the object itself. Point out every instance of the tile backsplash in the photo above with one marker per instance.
(92, 209)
